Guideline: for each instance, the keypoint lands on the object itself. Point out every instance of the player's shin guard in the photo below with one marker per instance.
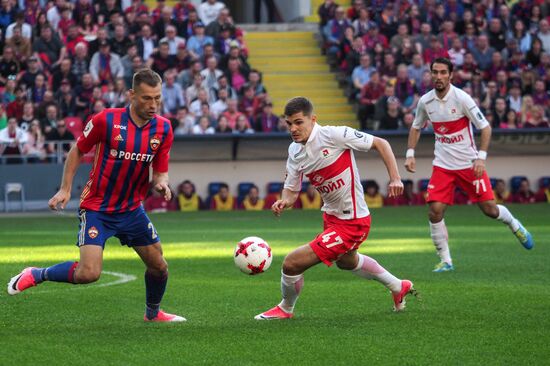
(370, 269)
(440, 238)
(291, 286)
(154, 291)
(506, 217)
(62, 272)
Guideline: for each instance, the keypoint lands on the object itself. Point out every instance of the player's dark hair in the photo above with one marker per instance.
(444, 61)
(297, 105)
(146, 76)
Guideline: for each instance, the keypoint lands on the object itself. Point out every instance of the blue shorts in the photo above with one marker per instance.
(132, 228)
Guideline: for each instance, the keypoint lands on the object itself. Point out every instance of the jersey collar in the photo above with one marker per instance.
(446, 97)
(313, 134)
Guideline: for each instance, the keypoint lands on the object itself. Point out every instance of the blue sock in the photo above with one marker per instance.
(154, 290)
(61, 272)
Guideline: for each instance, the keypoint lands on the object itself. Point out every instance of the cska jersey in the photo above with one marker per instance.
(452, 119)
(328, 162)
(119, 178)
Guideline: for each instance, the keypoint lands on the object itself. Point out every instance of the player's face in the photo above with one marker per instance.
(146, 100)
(300, 126)
(441, 77)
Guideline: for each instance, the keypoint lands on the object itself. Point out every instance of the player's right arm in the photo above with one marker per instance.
(288, 198)
(293, 183)
(414, 135)
(92, 134)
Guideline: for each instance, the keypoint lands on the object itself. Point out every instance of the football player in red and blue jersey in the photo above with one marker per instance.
(127, 142)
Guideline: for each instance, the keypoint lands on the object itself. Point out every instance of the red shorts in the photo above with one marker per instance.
(339, 237)
(443, 182)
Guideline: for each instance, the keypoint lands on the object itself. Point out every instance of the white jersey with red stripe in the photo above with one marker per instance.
(452, 118)
(328, 162)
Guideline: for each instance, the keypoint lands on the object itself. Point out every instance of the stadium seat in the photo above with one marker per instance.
(213, 188)
(515, 181)
(493, 182)
(16, 188)
(74, 125)
(544, 182)
(305, 184)
(423, 185)
(274, 187)
(242, 190)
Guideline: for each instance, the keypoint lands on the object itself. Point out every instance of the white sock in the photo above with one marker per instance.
(291, 286)
(506, 217)
(370, 269)
(440, 238)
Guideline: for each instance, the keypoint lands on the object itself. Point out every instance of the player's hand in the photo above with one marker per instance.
(278, 207)
(59, 200)
(479, 167)
(410, 165)
(395, 188)
(163, 189)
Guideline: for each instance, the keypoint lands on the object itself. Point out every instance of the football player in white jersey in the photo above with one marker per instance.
(325, 156)
(457, 162)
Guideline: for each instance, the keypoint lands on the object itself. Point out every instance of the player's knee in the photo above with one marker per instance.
(435, 216)
(159, 268)
(87, 275)
(491, 211)
(346, 266)
(291, 267)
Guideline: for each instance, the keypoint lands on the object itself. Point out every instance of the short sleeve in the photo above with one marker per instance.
(293, 179)
(472, 111)
(160, 162)
(421, 116)
(350, 138)
(93, 133)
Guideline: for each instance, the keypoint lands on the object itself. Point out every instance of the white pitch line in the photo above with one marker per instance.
(122, 278)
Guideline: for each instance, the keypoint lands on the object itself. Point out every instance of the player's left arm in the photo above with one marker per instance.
(474, 114)
(160, 184)
(395, 187)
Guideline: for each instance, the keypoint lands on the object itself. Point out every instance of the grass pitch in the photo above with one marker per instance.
(494, 309)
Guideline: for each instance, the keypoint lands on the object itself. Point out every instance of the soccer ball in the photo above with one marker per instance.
(253, 255)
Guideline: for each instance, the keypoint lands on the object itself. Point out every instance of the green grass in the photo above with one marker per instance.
(494, 309)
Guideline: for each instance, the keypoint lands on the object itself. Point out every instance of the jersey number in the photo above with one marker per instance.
(154, 234)
(480, 183)
(333, 242)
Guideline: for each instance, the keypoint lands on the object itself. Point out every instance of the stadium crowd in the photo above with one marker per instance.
(63, 61)
(248, 196)
(500, 49)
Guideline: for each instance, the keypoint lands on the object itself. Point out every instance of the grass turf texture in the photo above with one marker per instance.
(494, 309)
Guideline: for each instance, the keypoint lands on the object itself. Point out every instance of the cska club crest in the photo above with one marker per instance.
(154, 142)
(92, 232)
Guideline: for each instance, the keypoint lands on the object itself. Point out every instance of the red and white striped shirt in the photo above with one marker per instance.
(452, 118)
(328, 162)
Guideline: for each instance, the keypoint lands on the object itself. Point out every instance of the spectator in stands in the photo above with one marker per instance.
(8, 94)
(12, 141)
(182, 10)
(49, 122)
(250, 104)
(34, 149)
(255, 82)
(544, 35)
(84, 95)
(435, 50)
(210, 76)
(63, 72)
(405, 90)
(232, 113)
(87, 27)
(105, 66)
(416, 69)
(223, 125)
(172, 95)
(19, 22)
(511, 122)
(174, 41)
(534, 54)
(502, 195)
(192, 92)
(196, 43)
(156, 203)
(80, 64)
(242, 125)
(362, 24)
(203, 127)
(224, 84)
(252, 201)
(9, 65)
(310, 199)
(185, 122)
(49, 48)
(27, 117)
(334, 31)
(209, 11)
(537, 118)
(8, 13)
(222, 23)
(483, 52)
(15, 108)
(161, 60)
(188, 199)
(368, 97)
(220, 105)
(326, 12)
(146, 43)
(499, 113)
(164, 20)
(361, 74)
(393, 117)
(60, 133)
(540, 95)
(195, 106)
(223, 201)
(266, 121)
(21, 46)
(524, 193)
(282, 126)
(372, 195)
(235, 74)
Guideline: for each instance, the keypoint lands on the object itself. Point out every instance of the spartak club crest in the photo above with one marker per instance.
(154, 142)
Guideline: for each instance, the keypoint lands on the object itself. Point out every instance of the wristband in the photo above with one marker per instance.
(482, 155)
(410, 153)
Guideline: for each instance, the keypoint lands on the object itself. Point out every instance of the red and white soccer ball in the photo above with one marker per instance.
(253, 255)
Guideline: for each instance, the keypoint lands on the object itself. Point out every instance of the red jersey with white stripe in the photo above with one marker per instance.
(328, 162)
(119, 178)
(452, 118)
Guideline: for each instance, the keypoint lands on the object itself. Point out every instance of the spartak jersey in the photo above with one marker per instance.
(119, 178)
(328, 162)
(452, 118)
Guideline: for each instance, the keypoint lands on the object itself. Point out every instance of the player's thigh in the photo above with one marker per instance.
(90, 264)
(436, 211)
(299, 260)
(441, 187)
(137, 230)
(152, 256)
(94, 228)
(478, 189)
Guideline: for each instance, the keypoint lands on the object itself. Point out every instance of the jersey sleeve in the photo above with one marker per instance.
(421, 115)
(293, 179)
(350, 138)
(94, 132)
(471, 110)
(160, 162)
